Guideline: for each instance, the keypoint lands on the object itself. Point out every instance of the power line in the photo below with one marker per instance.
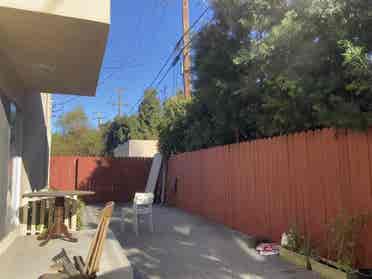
(202, 3)
(192, 26)
(116, 70)
(177, 57)
(175, 60)
(174, 80)
(59, 107)
(177, 46)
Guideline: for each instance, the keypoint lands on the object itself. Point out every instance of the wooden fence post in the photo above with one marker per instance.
(74, 213)
(50, 212)
(24, 216)
(33, 216)
(76, 173)
(42, 214)
(67, 212)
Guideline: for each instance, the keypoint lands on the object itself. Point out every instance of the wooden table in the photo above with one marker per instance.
(58, 229)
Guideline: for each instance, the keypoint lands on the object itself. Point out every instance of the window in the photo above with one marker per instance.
(12, 121)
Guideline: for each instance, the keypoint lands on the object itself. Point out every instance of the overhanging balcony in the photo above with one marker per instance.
(53, 45)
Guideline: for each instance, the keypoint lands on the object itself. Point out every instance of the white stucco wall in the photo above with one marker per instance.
(94, 10)
(137, 148)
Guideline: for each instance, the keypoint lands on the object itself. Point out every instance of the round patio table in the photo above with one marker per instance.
(58, 229)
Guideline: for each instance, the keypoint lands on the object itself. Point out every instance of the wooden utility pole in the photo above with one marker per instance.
(186, 49)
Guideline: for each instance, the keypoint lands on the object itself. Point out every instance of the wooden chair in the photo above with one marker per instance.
(89, 268)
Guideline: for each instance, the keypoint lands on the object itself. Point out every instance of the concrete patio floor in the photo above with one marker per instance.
(25, 259)
(186, 246)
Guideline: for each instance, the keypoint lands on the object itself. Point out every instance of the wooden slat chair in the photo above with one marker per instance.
(89, 268)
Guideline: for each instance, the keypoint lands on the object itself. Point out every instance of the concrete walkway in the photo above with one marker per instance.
(185, 246)
(25, 259)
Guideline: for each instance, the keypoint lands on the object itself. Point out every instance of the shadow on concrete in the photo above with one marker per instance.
(186, 246)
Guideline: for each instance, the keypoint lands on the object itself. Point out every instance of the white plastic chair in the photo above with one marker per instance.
(142, 205)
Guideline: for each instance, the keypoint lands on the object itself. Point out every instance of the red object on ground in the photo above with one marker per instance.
(266, 249)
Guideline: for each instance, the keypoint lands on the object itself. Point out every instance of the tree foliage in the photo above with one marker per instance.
(173, 128)
(144, 125)
(149, 116)
(118, 131)
(73, 121)
(270, 67)
(75, 136)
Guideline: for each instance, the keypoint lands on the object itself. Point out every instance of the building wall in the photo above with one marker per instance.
(29, 150)
(36, 142)
(4, 155)
(122, 150)
(137, 148)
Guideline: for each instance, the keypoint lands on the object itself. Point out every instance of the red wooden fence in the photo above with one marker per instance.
(111, 178)
(266, 186)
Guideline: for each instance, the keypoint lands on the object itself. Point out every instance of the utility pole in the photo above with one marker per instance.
(186, 49)
(99, 118)
(119, 91)
(119, 104)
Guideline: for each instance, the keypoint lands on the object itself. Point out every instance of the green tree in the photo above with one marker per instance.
(270, 67)
(144, 125)
(73, 121)
(303, 64)
(173, 128)
(149, 116)
(118, 131)
(76, 137)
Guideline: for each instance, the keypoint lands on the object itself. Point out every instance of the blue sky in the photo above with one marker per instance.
(142, 35)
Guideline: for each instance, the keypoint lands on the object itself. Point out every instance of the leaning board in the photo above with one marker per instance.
(154, 174)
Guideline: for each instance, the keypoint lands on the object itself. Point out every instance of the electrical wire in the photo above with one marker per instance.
(177, 57)
(169, 58)
(171, 55)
